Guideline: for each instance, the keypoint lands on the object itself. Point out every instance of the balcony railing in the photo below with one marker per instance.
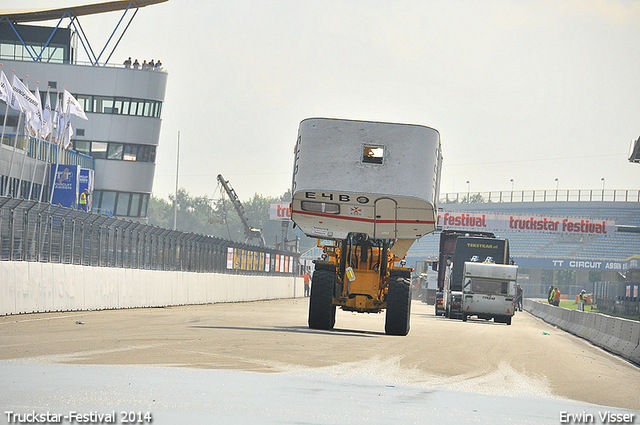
(47, 151)
(608, 195)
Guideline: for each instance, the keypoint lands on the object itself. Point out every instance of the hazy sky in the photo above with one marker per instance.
(524, 90)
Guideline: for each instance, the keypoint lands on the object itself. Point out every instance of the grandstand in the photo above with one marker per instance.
(582, 259)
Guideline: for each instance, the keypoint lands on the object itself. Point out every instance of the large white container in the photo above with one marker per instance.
(489, 290)
(376, 178)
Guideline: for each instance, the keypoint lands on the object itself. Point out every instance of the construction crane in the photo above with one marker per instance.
(250, 232)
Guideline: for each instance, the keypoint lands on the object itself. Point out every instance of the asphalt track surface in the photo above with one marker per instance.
(258, 362)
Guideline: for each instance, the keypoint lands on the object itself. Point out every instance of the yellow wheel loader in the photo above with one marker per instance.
(367, 191)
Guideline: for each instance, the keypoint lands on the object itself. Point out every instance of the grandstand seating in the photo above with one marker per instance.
(617, 246)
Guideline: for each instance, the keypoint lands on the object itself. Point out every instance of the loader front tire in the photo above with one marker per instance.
(398, 305)
(322, 311)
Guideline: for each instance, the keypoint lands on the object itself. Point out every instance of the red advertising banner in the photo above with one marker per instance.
(524, 223)
(280, 211)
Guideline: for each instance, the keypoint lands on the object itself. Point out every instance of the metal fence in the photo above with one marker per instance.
(33, 231)
(608, 195)
(617, 298)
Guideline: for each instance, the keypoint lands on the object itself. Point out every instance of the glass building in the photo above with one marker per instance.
(119, 141)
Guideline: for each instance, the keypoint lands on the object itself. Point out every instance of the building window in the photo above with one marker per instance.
(115, 151)
(144, 153)
(122, 105)
(108, 201)
(130, 153)
(82, 146)
(122, 203)
(134, 211)
(84, 101)
(99, 149)
(145, 204)
(118, 105)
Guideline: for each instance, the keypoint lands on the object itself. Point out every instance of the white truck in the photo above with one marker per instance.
(489, 291)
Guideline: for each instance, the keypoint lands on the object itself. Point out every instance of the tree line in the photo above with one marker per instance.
(218, 217)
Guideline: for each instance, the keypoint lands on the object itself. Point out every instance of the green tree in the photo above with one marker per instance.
(219, 218)
(160, 212)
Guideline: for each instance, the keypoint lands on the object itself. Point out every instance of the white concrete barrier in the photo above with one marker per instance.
(620, 336)
(635, 355)
(30, 287)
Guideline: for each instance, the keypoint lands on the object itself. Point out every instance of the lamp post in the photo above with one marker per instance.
(512, 183)
(602, 188)
(468, 192)
(557, 183)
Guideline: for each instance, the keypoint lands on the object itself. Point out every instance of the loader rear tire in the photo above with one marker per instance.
(398, 305)
(322, 311)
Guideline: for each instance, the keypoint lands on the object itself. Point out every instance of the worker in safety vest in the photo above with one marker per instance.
(307, 281)
(84, 199)
(556, 297)
(581, 300)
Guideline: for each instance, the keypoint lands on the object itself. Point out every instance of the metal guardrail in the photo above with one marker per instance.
(608, 195)
(33, 231)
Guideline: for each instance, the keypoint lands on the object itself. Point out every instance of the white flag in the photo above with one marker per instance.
(6, 92)
(27, 100)
(35, 120)
(47, 124)
(68, 134)
(58, 121)
(72, 106)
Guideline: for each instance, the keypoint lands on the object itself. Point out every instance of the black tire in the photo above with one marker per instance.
(507, 320)
(464, 317)
(322, 311)
(398, 305)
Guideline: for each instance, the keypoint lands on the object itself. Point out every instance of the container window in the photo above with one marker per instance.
(320, 207)
(372, 154)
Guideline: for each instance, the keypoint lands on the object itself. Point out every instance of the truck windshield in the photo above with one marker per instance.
(487, 286)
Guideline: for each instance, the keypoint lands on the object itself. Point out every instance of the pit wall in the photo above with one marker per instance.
(620, 336)
(31, 287)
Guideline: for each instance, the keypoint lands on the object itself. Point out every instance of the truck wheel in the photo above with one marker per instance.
(464, 317)
(398, 306)
(322, 312)
(508, 320)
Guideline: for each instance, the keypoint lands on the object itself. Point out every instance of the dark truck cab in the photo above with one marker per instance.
(457, 247)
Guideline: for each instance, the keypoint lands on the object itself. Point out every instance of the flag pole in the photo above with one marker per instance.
(27, 144)
(175, 201)
(15, 143)
(38, 141)
(58, 151)
(48, 153)
(24, 157)
(4, 125)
